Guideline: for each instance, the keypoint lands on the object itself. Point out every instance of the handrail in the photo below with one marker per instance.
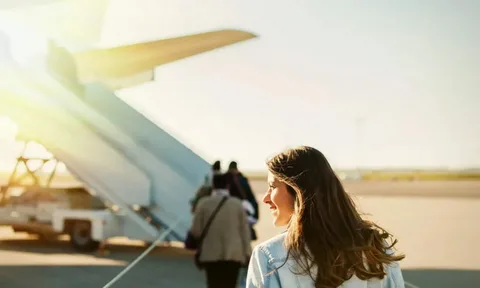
(159, 239)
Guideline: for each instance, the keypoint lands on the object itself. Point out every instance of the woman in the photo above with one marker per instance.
(327, 244)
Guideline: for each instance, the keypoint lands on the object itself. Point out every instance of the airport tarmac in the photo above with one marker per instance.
(436, 223)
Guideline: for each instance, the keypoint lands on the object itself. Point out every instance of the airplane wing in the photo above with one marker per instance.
(129, 65)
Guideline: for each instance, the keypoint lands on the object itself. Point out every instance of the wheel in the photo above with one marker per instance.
(81, 236)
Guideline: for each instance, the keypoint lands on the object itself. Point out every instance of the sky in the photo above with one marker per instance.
(370, 84)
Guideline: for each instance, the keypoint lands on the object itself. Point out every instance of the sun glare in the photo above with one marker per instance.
(8, 128)
(35, 150)
(13, 149)
(23, 43)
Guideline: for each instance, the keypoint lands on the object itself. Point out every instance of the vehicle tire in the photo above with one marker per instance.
(81, 236)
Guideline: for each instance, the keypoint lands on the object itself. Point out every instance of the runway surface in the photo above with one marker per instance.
(436, 223)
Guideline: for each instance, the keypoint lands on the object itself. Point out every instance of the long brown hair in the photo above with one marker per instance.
(327, 237)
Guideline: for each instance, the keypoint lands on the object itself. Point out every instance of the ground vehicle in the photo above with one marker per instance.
(35, 203)
(48, 212)
(29, 203)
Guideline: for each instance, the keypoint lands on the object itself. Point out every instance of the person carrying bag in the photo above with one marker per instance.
(220, 234)
(196, 244)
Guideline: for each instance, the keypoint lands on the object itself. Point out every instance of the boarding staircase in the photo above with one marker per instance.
(112, 148)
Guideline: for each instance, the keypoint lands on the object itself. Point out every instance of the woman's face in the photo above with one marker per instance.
(281, 202)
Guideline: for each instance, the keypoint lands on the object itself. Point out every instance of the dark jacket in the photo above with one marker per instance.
(240, 187)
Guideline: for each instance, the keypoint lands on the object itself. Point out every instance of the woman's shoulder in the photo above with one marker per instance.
(273, 249)
(264, 262)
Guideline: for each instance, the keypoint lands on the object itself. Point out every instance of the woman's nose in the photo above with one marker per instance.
(266, 197)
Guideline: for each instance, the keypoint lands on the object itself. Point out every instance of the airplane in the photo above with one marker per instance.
(68, 119)
(116, 67)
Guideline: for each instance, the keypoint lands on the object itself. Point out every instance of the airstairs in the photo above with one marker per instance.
(108, 145)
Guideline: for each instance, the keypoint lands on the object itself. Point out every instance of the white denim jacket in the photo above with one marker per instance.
(271, 254)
